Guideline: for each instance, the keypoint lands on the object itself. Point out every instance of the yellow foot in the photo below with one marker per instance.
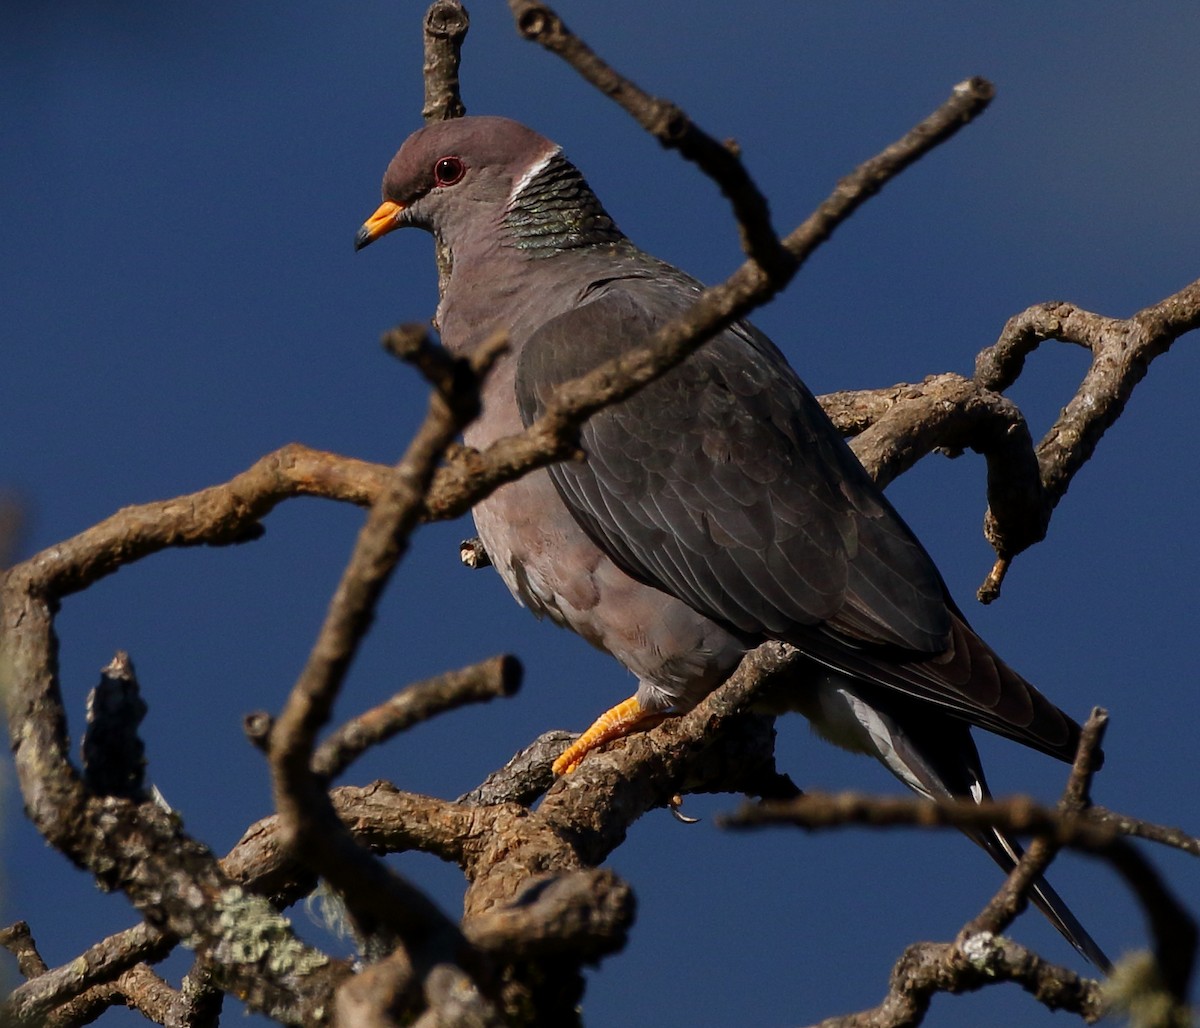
(612, 724)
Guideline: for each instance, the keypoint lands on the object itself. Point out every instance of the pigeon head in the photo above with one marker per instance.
(488, 176)
(444, 171)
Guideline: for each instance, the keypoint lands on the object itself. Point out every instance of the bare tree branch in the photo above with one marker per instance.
(1122, 351)
(218, 516)
(894, 428)
(198, 1002)
(1013, 896)
(136, 846)
(97, 965)
(446, 25)
(1070, 824)
(498, 676)
(588, 911)
(18, 940)
(138, 988)
(374, 895)
(928, 968)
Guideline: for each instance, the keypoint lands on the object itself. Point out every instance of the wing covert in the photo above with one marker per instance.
(723, 483)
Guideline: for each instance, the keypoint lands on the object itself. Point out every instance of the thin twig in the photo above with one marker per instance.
(101, 963)
(1123, 824)
(525, 777)
(219, 515)
(198, 1002)
(138, 988)
(18, 940)
(1012, 897)
(671, 126)
(446, 25)
(487, 680)
(1121, 349)
(927, 968)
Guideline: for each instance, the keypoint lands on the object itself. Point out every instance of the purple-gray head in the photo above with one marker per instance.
(445, 171)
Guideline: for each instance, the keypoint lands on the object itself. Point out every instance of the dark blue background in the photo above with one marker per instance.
(181, 186)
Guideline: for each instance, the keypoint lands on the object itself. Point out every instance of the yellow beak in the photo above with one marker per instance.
(379, 224)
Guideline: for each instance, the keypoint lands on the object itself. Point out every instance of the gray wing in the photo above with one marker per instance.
(724, 483)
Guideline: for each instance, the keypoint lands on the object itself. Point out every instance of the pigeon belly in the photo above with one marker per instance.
(553, 567)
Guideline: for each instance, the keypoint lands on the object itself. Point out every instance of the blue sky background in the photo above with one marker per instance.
(181, 187)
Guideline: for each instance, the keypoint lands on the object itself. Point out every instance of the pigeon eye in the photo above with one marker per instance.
(448, 170)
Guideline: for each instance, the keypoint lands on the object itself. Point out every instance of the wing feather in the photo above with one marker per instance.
(723, 483)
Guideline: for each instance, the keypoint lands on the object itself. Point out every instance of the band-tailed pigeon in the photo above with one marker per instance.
(716, 509)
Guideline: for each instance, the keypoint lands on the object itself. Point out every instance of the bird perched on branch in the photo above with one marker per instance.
(716, 509)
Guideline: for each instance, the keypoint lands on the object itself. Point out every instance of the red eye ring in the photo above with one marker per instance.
(448, 170)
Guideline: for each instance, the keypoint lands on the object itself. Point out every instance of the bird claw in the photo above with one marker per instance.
(674, 805)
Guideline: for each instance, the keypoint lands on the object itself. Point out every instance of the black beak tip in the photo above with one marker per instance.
(362, 238)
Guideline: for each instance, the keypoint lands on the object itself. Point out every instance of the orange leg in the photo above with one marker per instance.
(614, 723)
